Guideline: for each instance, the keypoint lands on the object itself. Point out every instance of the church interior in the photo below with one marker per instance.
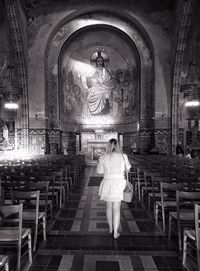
(74, 75)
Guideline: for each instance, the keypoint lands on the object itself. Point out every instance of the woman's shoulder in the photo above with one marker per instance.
(125, 157)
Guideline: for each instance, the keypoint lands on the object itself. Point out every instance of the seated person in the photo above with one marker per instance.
(179, 150)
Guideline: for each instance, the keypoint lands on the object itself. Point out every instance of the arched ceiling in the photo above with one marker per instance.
(156, 17)
(97, 26)
(160, 12)
(39, 7)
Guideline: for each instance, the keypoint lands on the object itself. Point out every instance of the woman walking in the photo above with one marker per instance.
(112, 165)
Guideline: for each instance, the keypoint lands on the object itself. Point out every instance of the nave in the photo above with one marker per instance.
(78, 238)
(73, 76)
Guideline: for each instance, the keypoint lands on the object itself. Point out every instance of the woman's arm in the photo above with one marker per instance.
(127, 163)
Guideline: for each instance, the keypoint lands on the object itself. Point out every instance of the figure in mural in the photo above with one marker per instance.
(92, 90)
(125, 96)
(5, 132)
(100, 89)
(72, 98)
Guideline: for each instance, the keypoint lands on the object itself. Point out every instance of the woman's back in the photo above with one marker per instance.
(113, 163)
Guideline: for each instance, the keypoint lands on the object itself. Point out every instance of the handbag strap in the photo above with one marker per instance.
(125, 168)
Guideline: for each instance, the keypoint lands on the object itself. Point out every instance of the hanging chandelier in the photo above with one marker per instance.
(10, 91)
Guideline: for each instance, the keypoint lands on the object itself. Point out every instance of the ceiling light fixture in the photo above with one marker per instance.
(11, 105)
(10, 89)
(192, 103)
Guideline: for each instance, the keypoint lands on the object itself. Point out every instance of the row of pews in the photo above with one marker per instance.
(32, 191)
(169, 188)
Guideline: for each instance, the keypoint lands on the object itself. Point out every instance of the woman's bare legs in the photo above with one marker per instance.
(116, 217)
(109, 215)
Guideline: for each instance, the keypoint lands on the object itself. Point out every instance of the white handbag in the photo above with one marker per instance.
(128, 191)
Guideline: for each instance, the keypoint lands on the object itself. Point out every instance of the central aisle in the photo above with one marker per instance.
(78, 239)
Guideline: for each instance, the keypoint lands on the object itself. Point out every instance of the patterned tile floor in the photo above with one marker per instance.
(78, 238)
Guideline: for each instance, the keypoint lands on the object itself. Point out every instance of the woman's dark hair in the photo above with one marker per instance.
(113, 145)
(113, 141)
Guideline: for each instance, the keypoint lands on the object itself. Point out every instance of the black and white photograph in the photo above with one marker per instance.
(99, 135)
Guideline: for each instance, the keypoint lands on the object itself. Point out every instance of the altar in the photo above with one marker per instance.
(96, 148)
(93, 144)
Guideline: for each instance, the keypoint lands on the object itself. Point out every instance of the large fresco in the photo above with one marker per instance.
(99, 85)
(101, 93)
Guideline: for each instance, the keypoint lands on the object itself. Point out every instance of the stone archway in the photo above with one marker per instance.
(184, 22)
(133, 30)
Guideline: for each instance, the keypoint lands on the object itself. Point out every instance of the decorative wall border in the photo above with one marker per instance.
(37, 132)
(162, 132)
(20, 61)
(146, 133)
(184, 25)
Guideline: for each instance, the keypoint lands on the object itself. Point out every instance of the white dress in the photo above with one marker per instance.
(112, 166)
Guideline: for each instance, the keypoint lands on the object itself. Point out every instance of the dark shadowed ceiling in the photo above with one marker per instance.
(2, 12)
(39, 7)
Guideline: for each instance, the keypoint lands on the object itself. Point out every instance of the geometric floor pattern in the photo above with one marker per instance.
(94, 181)
(88, 215)
(78, 238)
(105, 263)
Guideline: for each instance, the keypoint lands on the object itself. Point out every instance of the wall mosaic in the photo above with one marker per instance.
(91, 89)
(116, 99)
(37, 141)
(46, 141)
